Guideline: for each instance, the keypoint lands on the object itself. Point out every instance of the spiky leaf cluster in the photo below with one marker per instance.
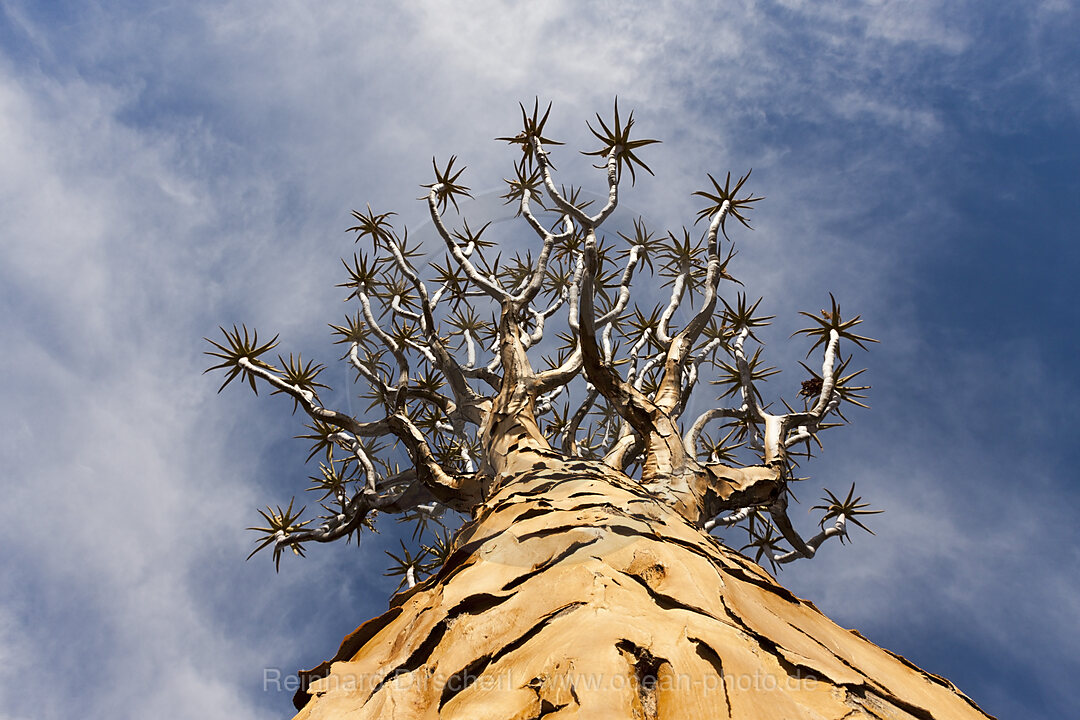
(731, 376)
(279, 525)
(743, 315)
(532, 132)
(851, 507)
(526, 179)
(843, 388)
(446, 185)
(685, 257)
(737, 206)
(300, 374)
(239, 347)
(828, 321)
(617, 138)
(765, 541)
(375, 226)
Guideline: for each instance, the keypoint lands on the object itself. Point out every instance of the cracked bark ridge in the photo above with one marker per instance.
(575, 593)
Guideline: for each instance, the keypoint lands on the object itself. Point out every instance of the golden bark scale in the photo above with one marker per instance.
(574, 593)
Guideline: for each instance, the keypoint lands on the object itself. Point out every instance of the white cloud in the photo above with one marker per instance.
(928, 24)
(100, 427)
(919, 122)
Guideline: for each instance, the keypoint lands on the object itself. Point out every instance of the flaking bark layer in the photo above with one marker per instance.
(574, 593)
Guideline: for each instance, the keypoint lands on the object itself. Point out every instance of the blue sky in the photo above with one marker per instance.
(171, 167)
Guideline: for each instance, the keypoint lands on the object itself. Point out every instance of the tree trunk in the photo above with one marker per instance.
(574, 593)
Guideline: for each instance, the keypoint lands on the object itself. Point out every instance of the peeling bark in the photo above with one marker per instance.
(574, 593)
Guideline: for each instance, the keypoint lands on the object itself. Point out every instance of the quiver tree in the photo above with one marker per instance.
(532, 388)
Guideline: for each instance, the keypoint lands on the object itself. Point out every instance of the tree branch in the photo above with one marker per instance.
(691, 437)
(460, 492)
(469, 402)
(670, 392)
(837, 529)
(665, 453)
(389, 342)
(307, 400)
(537, 278)
(493, 289)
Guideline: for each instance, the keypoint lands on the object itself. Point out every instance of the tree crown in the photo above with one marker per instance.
(491, 357)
